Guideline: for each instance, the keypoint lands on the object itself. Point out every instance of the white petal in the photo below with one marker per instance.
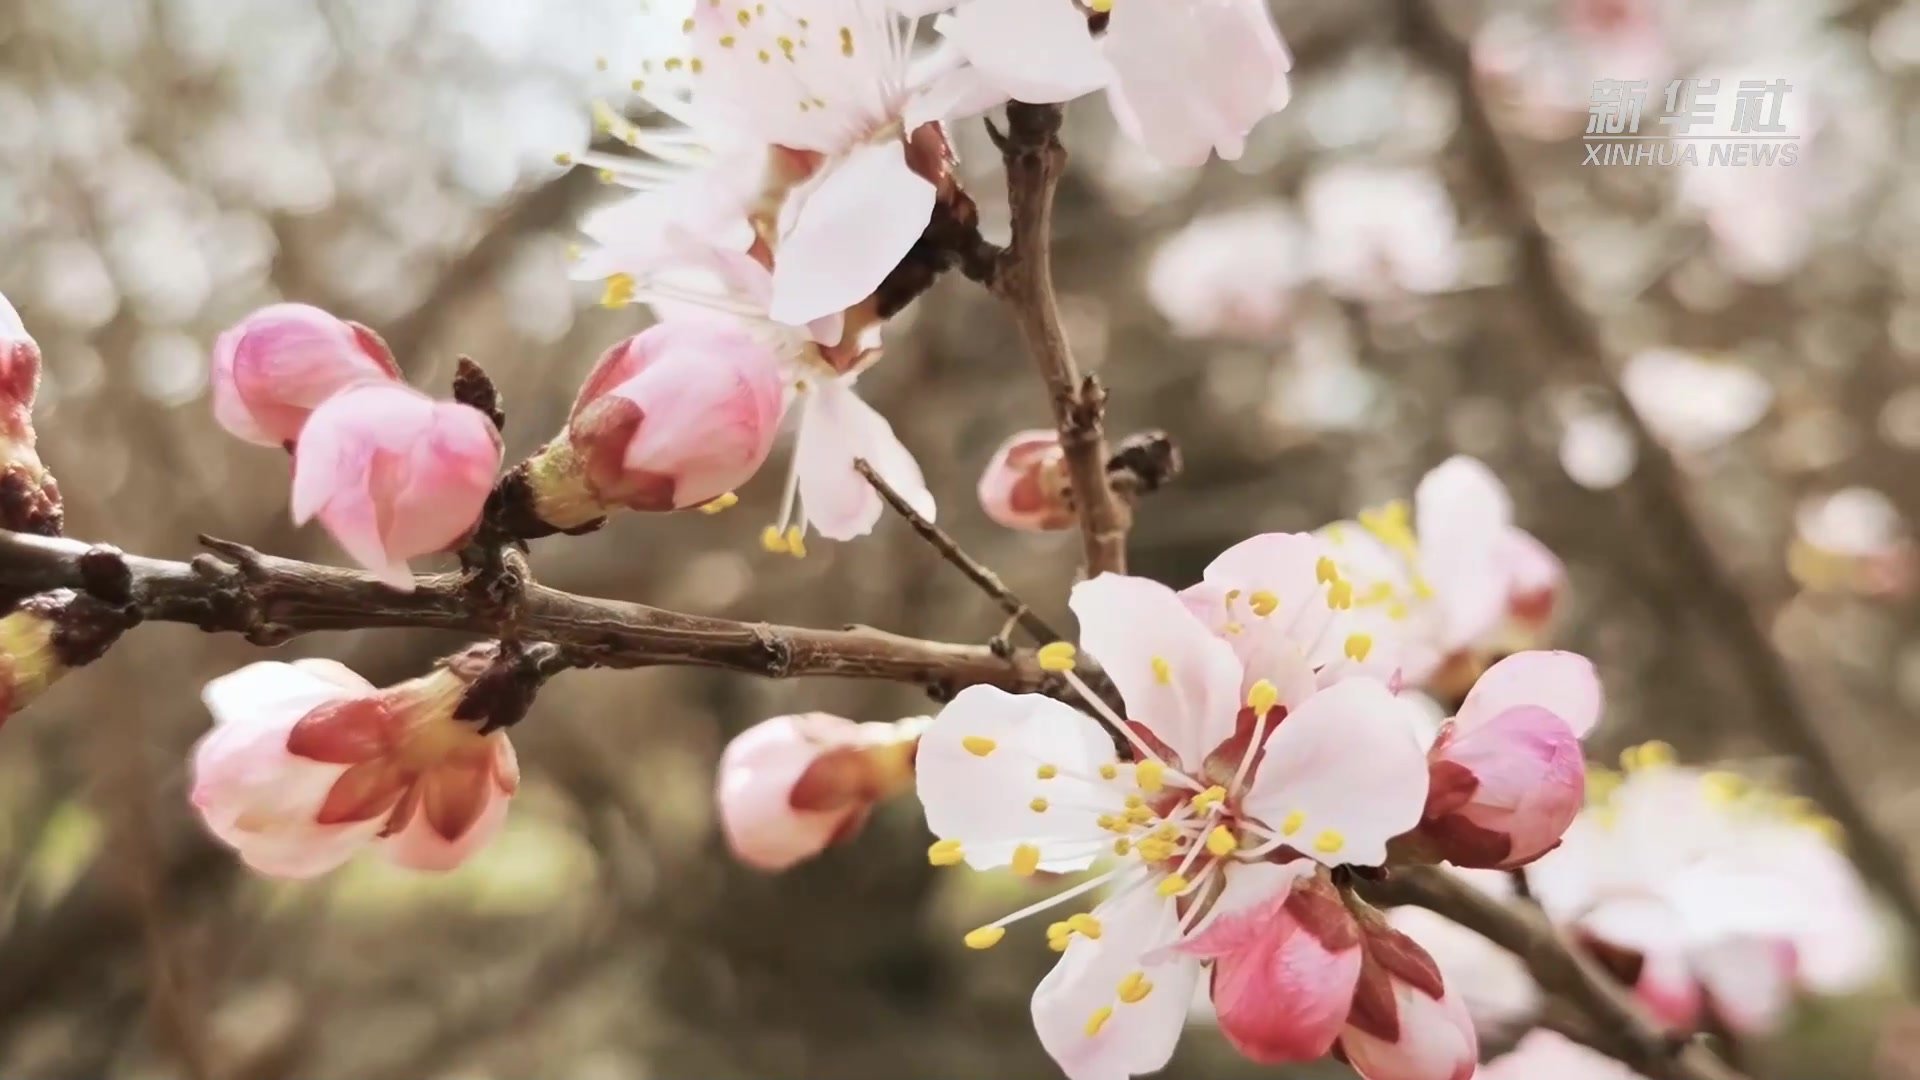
(835, 429)
(857, 222)
(1177, 679)
(1136, 1038)
(1348, 762)
(986, 801)
(270, 691)
(1563, 683)
(1032, 50)
(1462, 514)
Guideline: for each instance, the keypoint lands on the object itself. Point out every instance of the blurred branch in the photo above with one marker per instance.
(1023, 277)
(1613, 1024)
(977, 573)
(269, 600)
(1656, 488)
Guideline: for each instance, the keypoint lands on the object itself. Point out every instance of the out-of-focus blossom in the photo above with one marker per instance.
(1451, 575)
(47, 635)
(1380, 234)
(1541, 78)
(1692, 403)
(1216, 783)
(792, 786)
(29, 496)
(277, 365)
(1231, 274)
(1853, 540)
(1025, 484)
(674, 417)
(1549, 1055)
(1729, 897)
(1507, 774)
(1406, 1022)
(1496, 987)
(308, 763)
(393, 474)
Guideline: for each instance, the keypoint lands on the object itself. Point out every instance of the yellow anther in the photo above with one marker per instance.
(1139, 815)
(796, 542)
(786, 46)
(1109, 771)
(1397, 611)
(978, 745)
(1377, 593)
(1134, 802)
(1340, 595)
(772, 540)
(606, 176)
(1325, 572)
(599, 63)
(1359, 645)
(563, 158)
(1601, 783)
(1209, 798)
(1165, 832)
(1725, 787)
(1234, 628)
(1134, 988)
(1046, 772)
(1293, 823)
(1329, 842)
(1830, 830)
(1262, 696)
(1059, 944)
(1122, 846)
(745, 16)
(1038, 806)
(619, 291)
(1085, 925)
(1059, 929)
(1098, 1020)
(846, 41)
(1100, 6)
(696, 65)
(675, 63)
(1263, 603)
(1056, 656)
(1221, 841)
(1154, 850)
(687, 27)
(1422, 588)
(1172, 885)
(719, 503)
(945, 853)
(1150, 775)
(1026, 859)
(1162, 671)
(1648, 755)
(985, 938)
(728, 41)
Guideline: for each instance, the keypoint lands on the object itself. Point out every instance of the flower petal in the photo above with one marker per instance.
(1134, 1038)
(1563, 683)
(979, 771)
(1038, 51)
(1346, 770)
(1178, 680)
(856, 223)
(1462, 515)
(836, 427)
(1195, 77)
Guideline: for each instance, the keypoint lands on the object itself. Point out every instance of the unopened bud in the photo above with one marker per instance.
(48, 635)
(29, 497)
(791, 786)
(272, 369)
(1025, 484)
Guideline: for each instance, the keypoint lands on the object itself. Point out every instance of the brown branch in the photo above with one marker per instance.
(976, 572)
(1023, 278)
(1614, 1025)
(270, 599)
(1658, 492)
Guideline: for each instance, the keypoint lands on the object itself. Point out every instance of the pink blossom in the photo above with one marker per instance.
(1507, 776)
(19, 378)
(272, 369)
(1494, 984)
(1025, 484)
(1546, 1054)
(1692, 403)
(1243, 755)
(1382, 234)
(393, 474)
(308, 763)
(1232, 274)
(1406, 1024)
(792, 786)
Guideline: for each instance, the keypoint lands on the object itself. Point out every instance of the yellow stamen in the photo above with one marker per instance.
(1134, 802)
(1293, 823)
(1134, 988)
(1162, 671)
(772, 541)
(1139, 815)
(1263, 603)
(1059, 944)
(985, 938)
(1325, 572)
(1359, 645)
(1026, 859)
(1262, 696)
(619, 291)
(1150, 775)
(1172, 885)
(1122, 846)
(945, 853)
(1155, 850)
(796, 543)
(1109, 771)
(1648, 755)
(1098, 1020)
(1340, 595)
(1056, 656)
(1209, 798)
(1046, 772)
(1221, 841)
(1085, 925)
(1038, 806)
(563, 158)
(719, 503)
(1329, 842)
(1100, 6)
(1725, 787)
(978, 745)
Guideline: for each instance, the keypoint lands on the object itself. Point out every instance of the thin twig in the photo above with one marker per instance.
(977, 573)
(1616, 1026)
(1023, 279)
(1658, 491)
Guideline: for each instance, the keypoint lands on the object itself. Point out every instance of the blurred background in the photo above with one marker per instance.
(1316, 325)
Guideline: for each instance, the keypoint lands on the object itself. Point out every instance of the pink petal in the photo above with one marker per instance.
(761, 774)
(1139, 1037)
(1563, 683)
(857, 220)
(836, 427)
(420, 846)
(1178, 680)
(1196, 77)
(272, 369)
(1436, 1042)
(1462, 515)
(1531, 784)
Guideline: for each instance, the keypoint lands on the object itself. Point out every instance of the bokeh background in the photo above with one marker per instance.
(168, 165)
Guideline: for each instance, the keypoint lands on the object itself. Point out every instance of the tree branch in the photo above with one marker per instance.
(1658, 492)
(1023, 278)
(977, 573)
(270, 600)
(1615, 1025)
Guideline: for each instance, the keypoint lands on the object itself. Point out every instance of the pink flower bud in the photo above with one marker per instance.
(1406, 1024)
(792, 786)
(308, 763)
(19, 376)
(272, 369)
(1025, 485)
(393, 474)
(46, 636)
(1535, 579)
(1284, 972)
(29, 497)
(672, 418)
(1506, 776)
